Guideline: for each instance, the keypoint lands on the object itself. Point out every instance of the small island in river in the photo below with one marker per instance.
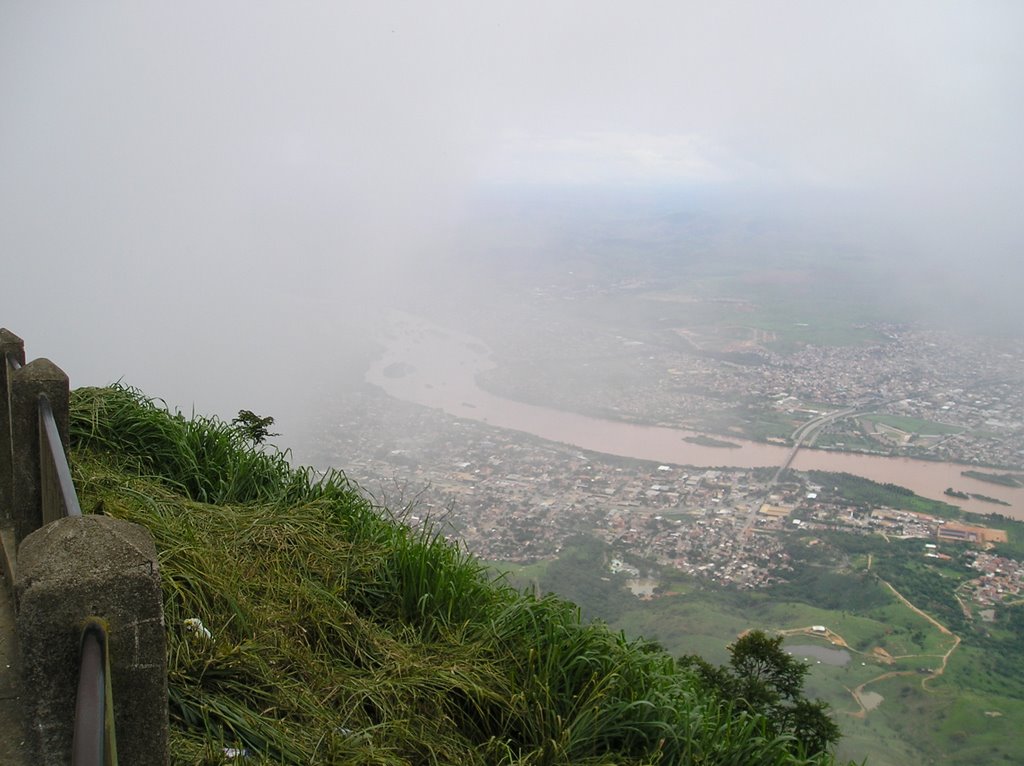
(398, 370)
(707, 441)
(968, 495)
(1005, 479)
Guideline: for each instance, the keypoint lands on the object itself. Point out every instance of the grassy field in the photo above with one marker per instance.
(808, 306)
(520, 576)
(945, 723)
(847, 441)
(962, 716)
(956, 725)
(913, 425)
(770, 425)
(863, 491)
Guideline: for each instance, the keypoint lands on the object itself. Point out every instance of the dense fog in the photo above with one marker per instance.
(214, 202)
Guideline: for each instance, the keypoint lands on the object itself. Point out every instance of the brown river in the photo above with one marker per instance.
(437, 367)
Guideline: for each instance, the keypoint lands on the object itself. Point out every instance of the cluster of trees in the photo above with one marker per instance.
(871, 494)
(927, 588)
(825, 589)
(581, 575)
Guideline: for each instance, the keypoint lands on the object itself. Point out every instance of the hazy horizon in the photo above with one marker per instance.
(215, 198)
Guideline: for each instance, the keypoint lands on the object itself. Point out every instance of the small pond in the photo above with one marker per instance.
(810, 652)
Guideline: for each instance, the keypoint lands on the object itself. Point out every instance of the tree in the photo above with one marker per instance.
(765, 672)
(811, 724)
(761, 678)
(252, 426)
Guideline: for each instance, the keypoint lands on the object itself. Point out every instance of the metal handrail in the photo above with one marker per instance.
(94, 742)
(58, 460)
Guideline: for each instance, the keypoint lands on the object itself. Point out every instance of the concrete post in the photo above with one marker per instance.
(10, 344)
(75, 568)
(40, 376)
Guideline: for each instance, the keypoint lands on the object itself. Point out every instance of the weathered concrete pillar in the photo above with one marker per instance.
(10, 344)
(75, 568)
(41, 376)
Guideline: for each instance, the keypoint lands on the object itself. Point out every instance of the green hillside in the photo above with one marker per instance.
(337, 634)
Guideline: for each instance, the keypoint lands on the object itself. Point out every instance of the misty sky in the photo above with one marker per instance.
(209, 192)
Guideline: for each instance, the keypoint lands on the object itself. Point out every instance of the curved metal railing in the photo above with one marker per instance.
(59, 496)
(94, 741)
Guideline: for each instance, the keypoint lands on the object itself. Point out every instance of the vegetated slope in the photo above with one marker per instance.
(340, 635)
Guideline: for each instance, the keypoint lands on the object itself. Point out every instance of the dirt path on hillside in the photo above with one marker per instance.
(858, 691)
(942, 629)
